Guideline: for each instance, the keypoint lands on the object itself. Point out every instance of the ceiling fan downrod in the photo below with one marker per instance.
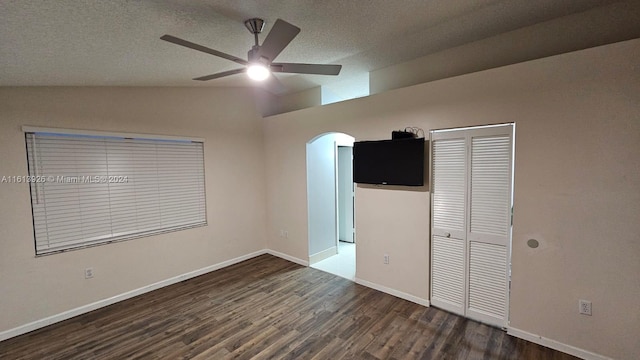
(255, 26)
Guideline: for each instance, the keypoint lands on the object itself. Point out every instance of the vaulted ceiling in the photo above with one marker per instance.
(117, 42)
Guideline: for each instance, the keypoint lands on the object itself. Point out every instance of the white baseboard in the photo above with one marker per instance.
(553, 344)
(23, 329)
(396, 293)
(324, 254)
(287, 257)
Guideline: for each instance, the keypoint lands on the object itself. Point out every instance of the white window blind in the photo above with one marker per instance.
(92, 189)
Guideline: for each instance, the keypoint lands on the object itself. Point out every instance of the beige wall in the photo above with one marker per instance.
(33, 288)
(577, 188)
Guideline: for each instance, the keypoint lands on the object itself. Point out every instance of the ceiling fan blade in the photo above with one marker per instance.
(306, 68)
(278, 38)
(194, 46)
(220, 74)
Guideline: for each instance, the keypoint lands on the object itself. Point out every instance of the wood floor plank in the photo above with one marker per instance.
(270, 308)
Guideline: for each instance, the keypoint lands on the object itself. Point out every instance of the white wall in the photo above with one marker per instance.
(577, 188)
(321, 195)
(34, 288)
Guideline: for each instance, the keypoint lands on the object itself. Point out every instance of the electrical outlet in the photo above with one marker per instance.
(386, 259)
(88, 273)
(286, 234)
(584, 307)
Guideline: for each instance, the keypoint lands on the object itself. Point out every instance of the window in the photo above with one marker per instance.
(91, 188)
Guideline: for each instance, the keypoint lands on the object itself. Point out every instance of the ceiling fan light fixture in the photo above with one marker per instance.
(258, 72)
(259, 64)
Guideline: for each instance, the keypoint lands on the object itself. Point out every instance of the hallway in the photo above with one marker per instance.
(342, 264)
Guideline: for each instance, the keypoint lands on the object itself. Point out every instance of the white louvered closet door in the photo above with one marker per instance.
(489, 227)
(448, 231)
(485, 199)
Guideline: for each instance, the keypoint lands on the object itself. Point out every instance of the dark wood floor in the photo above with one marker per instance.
(269, 308)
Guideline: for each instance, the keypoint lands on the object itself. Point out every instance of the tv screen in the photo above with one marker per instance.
(389, 162)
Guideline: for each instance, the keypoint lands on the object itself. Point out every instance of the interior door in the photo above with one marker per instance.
(472, 177)
(448, 249)
(489, 227)
(345, 193)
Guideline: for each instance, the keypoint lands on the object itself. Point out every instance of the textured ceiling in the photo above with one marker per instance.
(116, 42)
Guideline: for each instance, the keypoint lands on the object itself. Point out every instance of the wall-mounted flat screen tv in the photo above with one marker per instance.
(389, 162)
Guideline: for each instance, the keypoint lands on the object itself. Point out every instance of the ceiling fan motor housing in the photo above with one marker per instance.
(254, 56)
(254, 25)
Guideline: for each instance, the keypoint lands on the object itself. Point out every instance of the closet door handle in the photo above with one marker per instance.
(447, 234)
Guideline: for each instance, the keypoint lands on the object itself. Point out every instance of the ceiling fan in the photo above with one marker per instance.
(259, 64)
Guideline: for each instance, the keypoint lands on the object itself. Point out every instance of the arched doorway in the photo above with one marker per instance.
(330, 201)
